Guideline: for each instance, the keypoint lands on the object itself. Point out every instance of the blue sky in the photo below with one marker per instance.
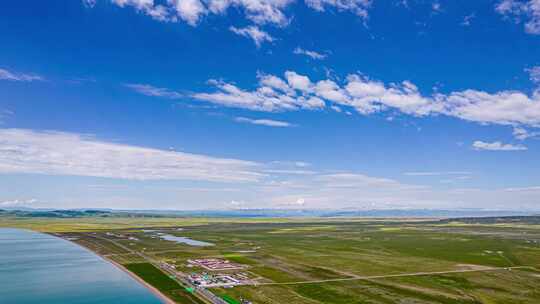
(190, 104)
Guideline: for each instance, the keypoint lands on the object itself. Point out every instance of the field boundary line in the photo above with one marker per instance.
(396, 275)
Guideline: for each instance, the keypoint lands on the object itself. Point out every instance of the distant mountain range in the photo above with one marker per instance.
(261, 213)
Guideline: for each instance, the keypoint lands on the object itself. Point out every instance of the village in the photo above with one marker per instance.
(217, 273)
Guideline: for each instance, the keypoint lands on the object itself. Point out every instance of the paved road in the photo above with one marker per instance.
(398, 275)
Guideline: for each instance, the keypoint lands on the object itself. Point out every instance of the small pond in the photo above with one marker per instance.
(184, 240)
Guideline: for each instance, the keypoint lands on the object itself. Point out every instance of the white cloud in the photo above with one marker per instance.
(89, 3)
(234, 204)
(13, 76)
(290, 172)
(336, 108)
(534, 74)
(264, 122)
(361, 191)
(367, 96)
(150, 90)
(275, 83)
(18, 202)
(522, 134)
(290, 201)
(358, 7)
(254, 33)
(497, 146)
(3, 114)
(529, 10)
(330, 90)
(298, 82)
(352, 180)
(156, 11)
(271, 185)
(436, 173)
(189, 10)
(257, 11)
(504, 107)
(300, 202)
(523, 189)
(467, 19)
(311, 54)
(436, 7)
(57, 153)
(455, 179)
(271, 96)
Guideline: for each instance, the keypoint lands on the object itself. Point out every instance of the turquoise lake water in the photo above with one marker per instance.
(39, 268)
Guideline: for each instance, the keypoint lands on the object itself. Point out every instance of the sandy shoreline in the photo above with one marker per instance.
(152, 289)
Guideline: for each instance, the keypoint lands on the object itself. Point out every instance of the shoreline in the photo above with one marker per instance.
(152, 289)
(162, 297)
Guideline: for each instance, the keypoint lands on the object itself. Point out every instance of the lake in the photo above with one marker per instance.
(39, 268)
(184, 240)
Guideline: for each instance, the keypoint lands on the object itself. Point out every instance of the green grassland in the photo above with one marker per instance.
(52, 225)
(162, 282)
(299, 251)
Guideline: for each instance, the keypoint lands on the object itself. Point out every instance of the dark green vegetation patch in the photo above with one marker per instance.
(153, 276)
(163, 283)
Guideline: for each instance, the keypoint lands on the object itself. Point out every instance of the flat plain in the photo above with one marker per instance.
(332, 260)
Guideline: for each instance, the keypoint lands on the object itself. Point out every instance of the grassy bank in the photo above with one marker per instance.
(163, 283)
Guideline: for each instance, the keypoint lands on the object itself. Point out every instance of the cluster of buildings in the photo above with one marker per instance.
(211, 279)
(208, 280)
(215, 264)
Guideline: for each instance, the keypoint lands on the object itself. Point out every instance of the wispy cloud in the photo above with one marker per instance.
(528, 10)
(81, 80)
(468, 19)
(497, 146)
(522, 133)
(254, 33)
(311, 54)
(18, 202)
(436, 7)
(436, 173)
(59, 153)
(4, 114)
(89, 3)
(358, 7)
(290, 172)
(150, 90)
(14, 76)
(292, 201)
(534, 74)
(299, 164)
(264, 122)
(234, 204)
(336, 108)
(348, 180)
(524, 189)
(257, 11)
(456, 179)
(257, 185)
